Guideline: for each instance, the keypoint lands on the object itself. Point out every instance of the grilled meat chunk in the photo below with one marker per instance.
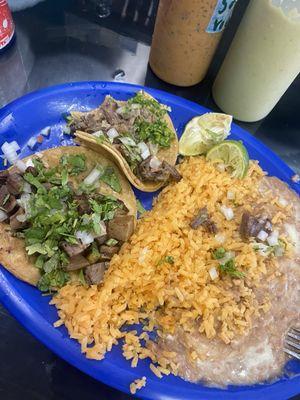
(94, 273)
(15, 184)
(121, 227)
(101, 239)
(73, 249)
(251, 225)
(17, 220)
(3, 176)
(8, 202)
(107, 252)
(76, 262)
(203, 219)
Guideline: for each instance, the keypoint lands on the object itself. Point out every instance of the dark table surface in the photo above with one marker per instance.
(66, 40)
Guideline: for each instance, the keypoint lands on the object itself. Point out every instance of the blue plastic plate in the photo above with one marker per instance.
(26, 117)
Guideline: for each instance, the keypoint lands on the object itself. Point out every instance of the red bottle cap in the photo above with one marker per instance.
(7, 27)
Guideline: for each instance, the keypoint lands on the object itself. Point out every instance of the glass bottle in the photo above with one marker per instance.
(185, 38)
(262, 61)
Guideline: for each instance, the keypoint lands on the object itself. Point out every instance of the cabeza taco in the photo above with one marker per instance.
(138, 133)
(64, 216)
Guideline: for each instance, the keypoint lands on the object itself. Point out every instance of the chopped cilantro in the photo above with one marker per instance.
(219, 253)
(105, 206)
(5, 200)
(111, 242)
(54, 279)
(93, 255)
(154, 106)
(110, 177)
(166, 259)
(75, 163)
(230, 269)
(140, 207)
(101, 139)
(156, 132)
(33, 181)
(81, 277)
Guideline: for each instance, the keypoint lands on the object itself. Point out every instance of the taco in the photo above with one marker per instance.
(138, 133)
(64, 217)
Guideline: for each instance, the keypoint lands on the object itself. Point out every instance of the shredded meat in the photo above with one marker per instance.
(203, 219)
(161, 173)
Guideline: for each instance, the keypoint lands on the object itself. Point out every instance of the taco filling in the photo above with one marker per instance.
(70, 231)
(137, 129)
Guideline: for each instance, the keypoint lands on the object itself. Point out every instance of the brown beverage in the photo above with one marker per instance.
(185, 38)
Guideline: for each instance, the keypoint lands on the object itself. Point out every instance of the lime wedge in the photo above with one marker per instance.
(203, 132)
(232, 155)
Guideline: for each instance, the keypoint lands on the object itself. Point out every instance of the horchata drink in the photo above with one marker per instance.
(263, 60)
(185, 38)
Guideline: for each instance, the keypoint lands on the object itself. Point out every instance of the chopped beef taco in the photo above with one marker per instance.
(138, 133)
(64, 217)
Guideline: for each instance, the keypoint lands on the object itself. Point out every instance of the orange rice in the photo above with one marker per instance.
(139, 287)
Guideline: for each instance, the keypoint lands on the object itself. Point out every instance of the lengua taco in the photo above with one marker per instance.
(64, 216)
(138, 133)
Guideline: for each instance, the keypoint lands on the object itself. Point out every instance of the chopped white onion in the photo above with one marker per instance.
(102, 228)
(268, 225)
(27, 188)
(273, 238)
(40, 155)
(29, 163)
(230, 195)
(20, 165)
(220, 238)
(296, 178)
(85, 237)
(10, 152)
(143, 255)
(23, 202)
(153, 147)
(32, 142)
(262, 235)
(15, 145)
(262, 249)
(127, 141)
(154, 163)
(144, 150)
(98, 134)
(112, 133)
(121, 110)
(227, 212)
(278, 251)
(3, 216)
(46, 131)
(21, 217)
(213, 273)
(282, 202)
(92, 177)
